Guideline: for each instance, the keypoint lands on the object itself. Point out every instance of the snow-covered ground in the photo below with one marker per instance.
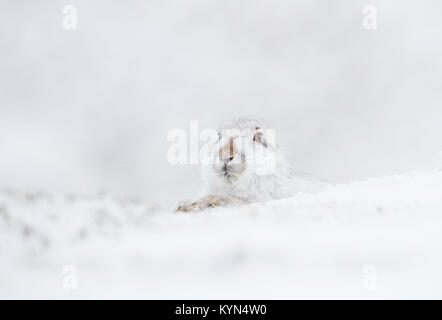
(380, 238)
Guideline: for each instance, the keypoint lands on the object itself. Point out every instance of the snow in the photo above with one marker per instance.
(379, 238)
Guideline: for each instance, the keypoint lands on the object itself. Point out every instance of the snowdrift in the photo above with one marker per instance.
(379, 238)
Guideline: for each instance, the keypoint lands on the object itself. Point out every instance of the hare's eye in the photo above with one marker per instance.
(219, 135)
(259, 138)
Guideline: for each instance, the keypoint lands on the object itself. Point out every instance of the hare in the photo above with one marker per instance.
(246, 166)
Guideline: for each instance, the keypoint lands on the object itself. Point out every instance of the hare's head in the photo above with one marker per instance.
(245, 147)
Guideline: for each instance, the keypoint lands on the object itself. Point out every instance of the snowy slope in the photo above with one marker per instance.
(379, 238)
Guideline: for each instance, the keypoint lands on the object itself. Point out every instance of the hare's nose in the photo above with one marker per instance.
(227, 160)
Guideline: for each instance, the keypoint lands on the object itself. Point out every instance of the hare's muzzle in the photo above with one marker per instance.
(228, 152)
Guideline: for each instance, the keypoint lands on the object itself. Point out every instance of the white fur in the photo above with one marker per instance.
(283, 181)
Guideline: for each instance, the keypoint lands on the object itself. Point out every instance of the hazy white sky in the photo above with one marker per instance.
(90, 109)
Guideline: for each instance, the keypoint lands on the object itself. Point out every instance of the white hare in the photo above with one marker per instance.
(246, 166)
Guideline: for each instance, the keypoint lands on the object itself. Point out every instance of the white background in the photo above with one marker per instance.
(89, 110)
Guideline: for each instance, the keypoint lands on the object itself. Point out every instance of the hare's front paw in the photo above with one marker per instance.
(187, 206)
(210, 201)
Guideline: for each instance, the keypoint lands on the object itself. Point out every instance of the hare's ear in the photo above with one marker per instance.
(260, 138)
